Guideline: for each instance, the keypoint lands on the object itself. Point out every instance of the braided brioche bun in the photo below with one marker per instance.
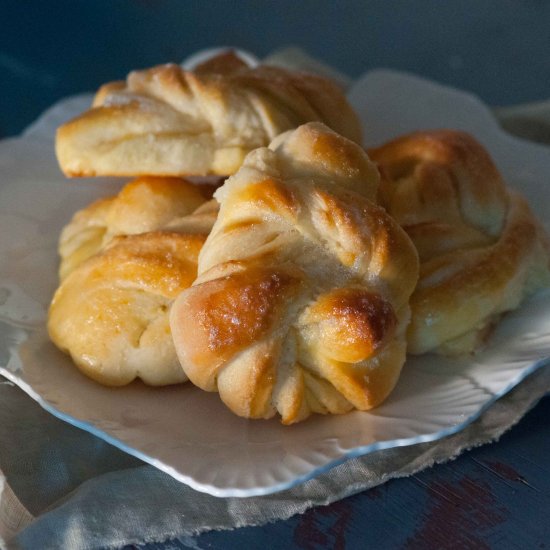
(124, 260)
(171, 122)
(301, 300)
(481, 249)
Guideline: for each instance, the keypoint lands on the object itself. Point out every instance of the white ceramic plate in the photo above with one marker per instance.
(189, 434)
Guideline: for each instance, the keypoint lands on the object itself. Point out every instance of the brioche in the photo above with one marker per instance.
(481, 249)
(301, 299)
(124, 260)
(171, 122)
(144, 204)
(111, 312)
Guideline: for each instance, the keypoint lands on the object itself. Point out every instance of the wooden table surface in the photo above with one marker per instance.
(497, 496)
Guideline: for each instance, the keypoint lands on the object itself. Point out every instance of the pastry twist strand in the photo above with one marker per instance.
(142, 205)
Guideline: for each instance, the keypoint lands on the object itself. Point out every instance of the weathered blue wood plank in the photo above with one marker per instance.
(490, 497)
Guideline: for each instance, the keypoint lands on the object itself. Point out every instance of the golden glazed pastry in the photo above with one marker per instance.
(481, 249)
(301, 301)
(124, 260)
(168, 121)
(111, 312)
(144, 204)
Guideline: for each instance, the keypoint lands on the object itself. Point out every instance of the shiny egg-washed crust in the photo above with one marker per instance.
(168, 121)
(301, 302)
(142, 205)
(481, 249)
(111, 313)
(123, 261)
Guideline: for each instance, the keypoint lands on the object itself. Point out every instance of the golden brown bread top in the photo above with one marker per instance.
(168, 121)
(350, 324)
(142, 205)
(234, 312)
(481, 249)
(111, 312)
(301, 299)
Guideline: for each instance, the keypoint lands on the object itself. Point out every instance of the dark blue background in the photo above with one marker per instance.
(499, 49)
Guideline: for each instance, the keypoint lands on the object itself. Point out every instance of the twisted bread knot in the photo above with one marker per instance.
(481, 249)
(124, 260)
(168, 121)
(301, 301)
(142, 205)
